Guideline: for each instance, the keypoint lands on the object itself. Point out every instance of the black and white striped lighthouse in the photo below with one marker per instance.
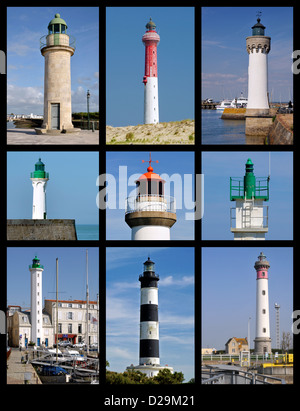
(149, 362)
(149, 326)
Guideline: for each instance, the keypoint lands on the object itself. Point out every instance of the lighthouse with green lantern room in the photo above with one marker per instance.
(249, 217)
(39, 178)
(57, 48)
(36, 303)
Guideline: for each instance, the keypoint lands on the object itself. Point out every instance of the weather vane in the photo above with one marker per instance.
(258, 14)
(149, 161)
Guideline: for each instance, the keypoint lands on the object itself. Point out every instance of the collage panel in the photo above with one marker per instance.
(247, 76)
(53, 315)
(150, 315)
(51, 196)
(150, 90)
(248, 195)
(53, 75)
(247, 326)
(150, 195)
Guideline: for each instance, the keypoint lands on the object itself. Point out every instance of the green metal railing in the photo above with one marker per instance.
(260, 192)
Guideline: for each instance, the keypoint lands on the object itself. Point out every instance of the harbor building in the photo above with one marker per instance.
(150, 213)
(249, 217)
(262, 342)
(57, 47)
(150, 79)
(258, 119)
(149, 361)
(75, 321)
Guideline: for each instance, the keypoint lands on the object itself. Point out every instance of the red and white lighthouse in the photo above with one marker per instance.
(151, 40)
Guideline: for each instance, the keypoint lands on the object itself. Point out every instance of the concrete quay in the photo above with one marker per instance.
(27, 136)
(17, 371)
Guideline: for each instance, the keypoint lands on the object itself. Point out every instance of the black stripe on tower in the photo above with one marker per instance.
(148, 279)
(149, 348)
(149, 312)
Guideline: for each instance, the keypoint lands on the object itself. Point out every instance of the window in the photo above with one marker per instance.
(60, 328)
(263, 292)
(264, 311)
(70, 328)
(264, 330)
(70, 315)
(79, 328)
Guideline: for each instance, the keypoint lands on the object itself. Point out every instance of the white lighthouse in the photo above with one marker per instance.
(36, 305)
(258, 47)
(149, 362)
(258, 117)
(150, 213)
(249, 217)
(150, 80)
(39, 179)
(262, 342)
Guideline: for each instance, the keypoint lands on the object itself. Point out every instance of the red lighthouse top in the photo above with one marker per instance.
(150, 39)
(150, 182)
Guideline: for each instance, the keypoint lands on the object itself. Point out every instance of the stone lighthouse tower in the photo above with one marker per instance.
(149, 362)
(39, 179)
(151, 40)
(249, 217)
(262, 342)
(57, 48)
(36, 305)
(150, 213)
(257, 114)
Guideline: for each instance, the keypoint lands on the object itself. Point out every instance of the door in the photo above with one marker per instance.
(55, 111)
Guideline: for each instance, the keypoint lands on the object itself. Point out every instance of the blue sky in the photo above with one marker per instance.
(125, 62)
(174, 164)
(224, 55)
(218, 167)
(71, 189)
(25, 64)
(175, 267)
(229, 292)
(71, 273)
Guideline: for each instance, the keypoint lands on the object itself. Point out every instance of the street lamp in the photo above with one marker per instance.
(88, 107)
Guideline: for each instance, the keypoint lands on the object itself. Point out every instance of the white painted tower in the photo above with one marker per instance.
(39, 179)
(249, 217)
(150, 79)
(262, 342)
(149, 361)
(36, 304)
(150, 214)
(258, 47)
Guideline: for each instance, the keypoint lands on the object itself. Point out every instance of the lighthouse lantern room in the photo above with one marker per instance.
(150, 213)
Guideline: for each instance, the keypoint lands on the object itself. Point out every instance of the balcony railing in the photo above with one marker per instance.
(57, 39)
(237, 190)
(151, 202)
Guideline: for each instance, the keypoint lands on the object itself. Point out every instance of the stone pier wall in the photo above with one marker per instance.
(55, 229)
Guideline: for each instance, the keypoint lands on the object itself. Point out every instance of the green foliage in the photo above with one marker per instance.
(137, 377)
(84, 116)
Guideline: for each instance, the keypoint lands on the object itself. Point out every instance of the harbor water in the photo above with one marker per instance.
(214, 130)
(87, 232)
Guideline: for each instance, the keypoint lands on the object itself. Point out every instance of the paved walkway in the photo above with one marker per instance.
(16, 370)
(21, 136)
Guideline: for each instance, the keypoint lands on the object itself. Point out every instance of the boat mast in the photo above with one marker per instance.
(56, 328)
(87, 305)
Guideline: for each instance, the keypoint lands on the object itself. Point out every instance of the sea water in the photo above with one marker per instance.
(214, 130)
(87, 231)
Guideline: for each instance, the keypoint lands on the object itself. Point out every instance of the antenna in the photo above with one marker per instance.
(269, 176)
